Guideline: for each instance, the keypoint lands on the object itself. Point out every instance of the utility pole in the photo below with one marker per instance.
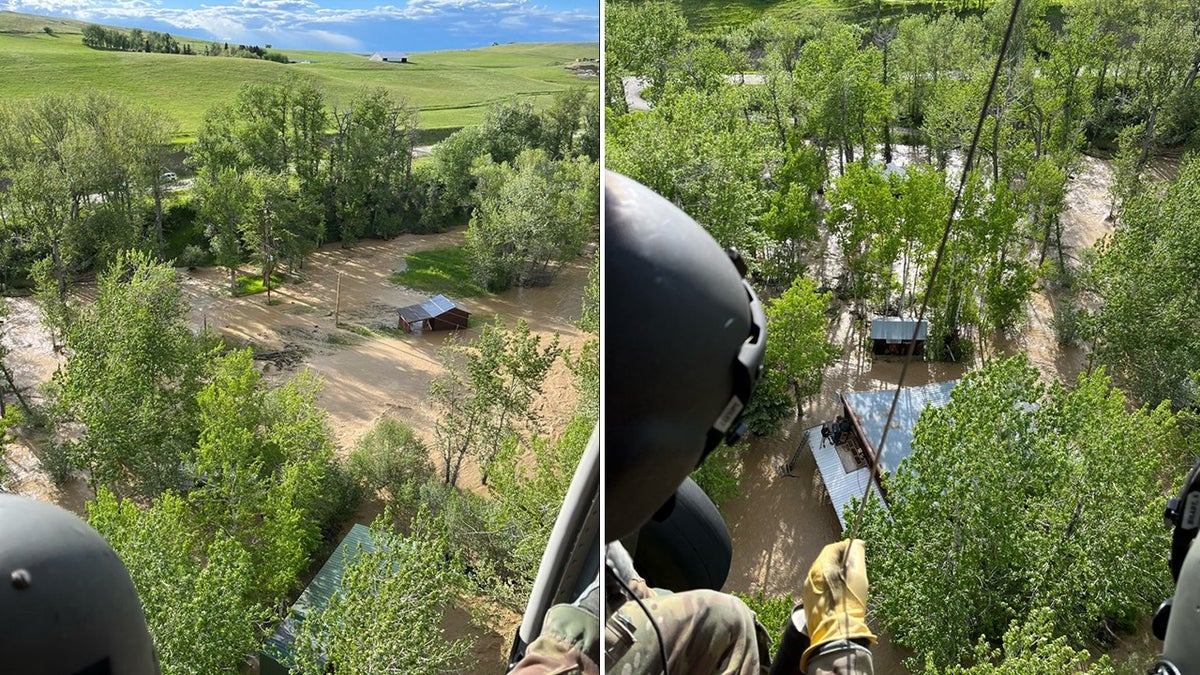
(337, 302)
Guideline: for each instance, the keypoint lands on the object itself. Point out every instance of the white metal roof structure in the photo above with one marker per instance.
(841, 485)
(869, 409)
(897, 329)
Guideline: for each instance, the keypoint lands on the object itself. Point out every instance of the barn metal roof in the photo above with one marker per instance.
(871, 408)
(318, 593)
(840, 485)
(435, 306)
(390, 56)
(897, 329)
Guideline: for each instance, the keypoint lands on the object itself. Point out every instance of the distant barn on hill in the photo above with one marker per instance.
(390, 57)
(436, 313)
(891, 335)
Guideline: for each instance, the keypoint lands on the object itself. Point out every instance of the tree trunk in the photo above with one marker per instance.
(1147, 138)
(12, 386)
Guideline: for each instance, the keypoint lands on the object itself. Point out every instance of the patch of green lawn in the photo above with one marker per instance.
(443, 270)
(250, 285)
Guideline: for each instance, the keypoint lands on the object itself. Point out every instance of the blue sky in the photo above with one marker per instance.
(342, 25)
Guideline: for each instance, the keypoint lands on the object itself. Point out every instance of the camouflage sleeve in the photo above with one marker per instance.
(568, 635)
(841, 657)
(701, 632)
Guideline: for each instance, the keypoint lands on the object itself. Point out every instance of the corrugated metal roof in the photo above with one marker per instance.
(840, 485)
(390, 56)
(897, 329)
(435, 306)
(871, 408)
(318, 593)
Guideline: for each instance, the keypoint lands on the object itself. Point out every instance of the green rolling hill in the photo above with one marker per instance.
(450, 88)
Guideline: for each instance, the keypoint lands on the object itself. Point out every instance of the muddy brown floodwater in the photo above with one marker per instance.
(781, 522)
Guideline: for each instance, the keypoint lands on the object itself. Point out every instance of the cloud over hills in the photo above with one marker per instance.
(342, 25)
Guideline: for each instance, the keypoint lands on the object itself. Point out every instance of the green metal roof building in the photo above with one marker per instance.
(276, 655)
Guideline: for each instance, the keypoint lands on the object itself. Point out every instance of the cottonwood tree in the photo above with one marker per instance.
(488, 393)
(262, 462)
(76, 168)
(194, 587)
(370, 165)
(640, 39)
(1067, 484)
(225, 197)
(1030, 646)
(531, 217)
(1145, 277)
(700, 152)
(391, 457)
(845, 100)
(797, 354)
(131, 377)
(388, 612)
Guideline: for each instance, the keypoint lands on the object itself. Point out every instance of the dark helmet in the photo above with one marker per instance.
(67, 605)
(684, 342)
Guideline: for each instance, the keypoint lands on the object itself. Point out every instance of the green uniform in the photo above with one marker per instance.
(705, 632)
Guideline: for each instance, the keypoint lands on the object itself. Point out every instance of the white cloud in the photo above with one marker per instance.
(306, 21)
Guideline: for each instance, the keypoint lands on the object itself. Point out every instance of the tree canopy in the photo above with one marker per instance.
(1020, 496)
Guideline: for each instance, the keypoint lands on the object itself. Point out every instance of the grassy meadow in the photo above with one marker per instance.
(716, 15)
(450, 88)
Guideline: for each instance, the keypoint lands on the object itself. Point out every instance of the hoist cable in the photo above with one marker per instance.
(968, 164)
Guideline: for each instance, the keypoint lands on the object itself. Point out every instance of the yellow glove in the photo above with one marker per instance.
(835, 596)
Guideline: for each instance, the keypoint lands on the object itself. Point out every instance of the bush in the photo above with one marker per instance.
(191, 257)
(391, 457)
(773, 611)
(720, 476)
(58, 464)
(339, 496)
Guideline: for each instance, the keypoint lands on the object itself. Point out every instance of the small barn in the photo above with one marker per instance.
(436, 313)
(390, 57)
(892, 335)
(276, 655)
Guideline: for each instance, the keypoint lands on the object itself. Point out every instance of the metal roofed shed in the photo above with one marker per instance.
(436, 313)
(276, 655)
(841, 485)
(868, 411)
(891, 335)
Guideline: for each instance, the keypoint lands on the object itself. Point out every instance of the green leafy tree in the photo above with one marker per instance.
(863, 217)
(845, 100)
(641, 38)
(387, 614)
(261, 462)
(194, 587)
(75, 168)
(700, 152)
(1145, 278)
(225, 199)
(531, 217)
(1029, 648)
(798, 352)
(488, 393)
(392, 457)
(1068, 485)
(132, 373)
(370, 165)
(528, 482)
